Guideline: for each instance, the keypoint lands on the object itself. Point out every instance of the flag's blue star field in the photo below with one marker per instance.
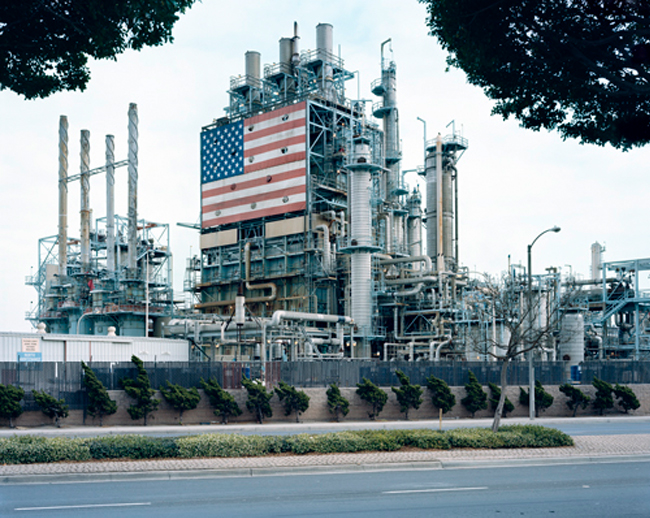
(222, 152)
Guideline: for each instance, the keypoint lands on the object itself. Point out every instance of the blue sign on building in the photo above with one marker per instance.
(30, 357)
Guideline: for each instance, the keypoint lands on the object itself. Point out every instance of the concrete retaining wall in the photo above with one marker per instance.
(318, 410)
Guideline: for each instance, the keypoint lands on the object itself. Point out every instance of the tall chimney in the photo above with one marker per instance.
(85, 200)
(63, 196)
(133, 187)
(110, 205)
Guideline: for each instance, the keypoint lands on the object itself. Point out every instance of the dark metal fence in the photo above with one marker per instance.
(65, 380)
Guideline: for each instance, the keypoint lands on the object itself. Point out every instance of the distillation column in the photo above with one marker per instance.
(440, 210)
(414, 227)
(63, 197)
(361, 241)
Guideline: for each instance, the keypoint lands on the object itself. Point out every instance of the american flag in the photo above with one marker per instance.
(254, 168)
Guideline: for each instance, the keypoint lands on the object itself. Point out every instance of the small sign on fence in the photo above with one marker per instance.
(31, 345)
(30, 357)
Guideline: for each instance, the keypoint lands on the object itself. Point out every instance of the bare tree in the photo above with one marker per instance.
(519, 324)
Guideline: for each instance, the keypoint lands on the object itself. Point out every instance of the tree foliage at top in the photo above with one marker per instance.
(408, 395)
(293, 400)
(53, 408)
(99, 402)
(258, 402)
(373, 395)
(581, 67)
(140, 390)
(441, 395)
(180, 398)
(10, 398)
(336, 403)
(45, 44)
(223, 402)
(476, 398)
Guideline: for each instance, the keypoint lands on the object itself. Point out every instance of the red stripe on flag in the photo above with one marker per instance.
(254, 214)
(285, 159)
(256, 182)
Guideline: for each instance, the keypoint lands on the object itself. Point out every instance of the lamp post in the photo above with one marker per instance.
(531, 368)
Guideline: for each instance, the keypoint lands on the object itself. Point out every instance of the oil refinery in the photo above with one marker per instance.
(312, 245)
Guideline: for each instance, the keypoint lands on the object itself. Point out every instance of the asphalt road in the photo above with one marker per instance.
(620, 489)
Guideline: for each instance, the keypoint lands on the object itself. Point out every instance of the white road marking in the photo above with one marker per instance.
(86, 506)
(437, 490)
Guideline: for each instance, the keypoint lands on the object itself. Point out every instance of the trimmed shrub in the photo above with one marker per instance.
(258, 402)
(223, 402)
(336, 403)
(441, 395)
(577, 398)
(293, 400)
(99, 402)
(10, 398)
(53, 408)
(627, 398)
(476, 398)
(372, 395)
(132, 447)
(408, 396)
(30, 449)
(495, 394)
(140, 390)
(603, 400)
(543, 399)
(180, 398)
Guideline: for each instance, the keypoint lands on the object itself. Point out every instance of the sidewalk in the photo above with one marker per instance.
(588, 448)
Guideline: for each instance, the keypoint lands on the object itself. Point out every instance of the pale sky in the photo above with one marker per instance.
(513, 183)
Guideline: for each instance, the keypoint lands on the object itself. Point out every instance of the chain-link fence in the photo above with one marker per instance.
(65, 380)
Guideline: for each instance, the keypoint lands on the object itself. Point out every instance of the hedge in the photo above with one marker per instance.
(32, 449)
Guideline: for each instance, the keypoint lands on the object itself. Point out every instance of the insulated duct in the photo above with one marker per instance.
(133, 187)
(63, 197)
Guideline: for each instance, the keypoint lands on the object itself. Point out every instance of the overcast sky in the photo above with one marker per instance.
(513, 183)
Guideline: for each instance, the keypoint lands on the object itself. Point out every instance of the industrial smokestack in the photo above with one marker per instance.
(133, 187)
(253, 68)
(110, 204)
(85, 200)
(63, 196)
(324, 46)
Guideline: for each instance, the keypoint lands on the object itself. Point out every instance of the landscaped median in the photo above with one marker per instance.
(33, 449)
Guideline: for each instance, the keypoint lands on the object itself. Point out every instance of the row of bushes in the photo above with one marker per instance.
(31, 449)
(295, 401)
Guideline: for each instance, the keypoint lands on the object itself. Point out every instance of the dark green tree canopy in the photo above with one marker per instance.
(223, 402)
(45, 44)
(581, 67)
(292, 399)
(99, 402)
(408, 395)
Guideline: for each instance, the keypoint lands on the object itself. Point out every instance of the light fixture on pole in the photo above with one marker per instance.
(529, 327)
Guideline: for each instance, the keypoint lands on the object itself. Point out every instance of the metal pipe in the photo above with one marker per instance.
(85, 200)
(410, 259)
(110, 205)
(63, 197)
(261, 286)
(280, 315)
(326, 247)
(133, 188)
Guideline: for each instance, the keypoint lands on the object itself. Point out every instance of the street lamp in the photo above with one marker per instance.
(531, 368)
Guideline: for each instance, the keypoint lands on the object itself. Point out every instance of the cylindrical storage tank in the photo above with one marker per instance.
(240, 315)
(286, 51)
(252, 68)
(324, 41)
(572, 341)
(414, 227)
(432, 203)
